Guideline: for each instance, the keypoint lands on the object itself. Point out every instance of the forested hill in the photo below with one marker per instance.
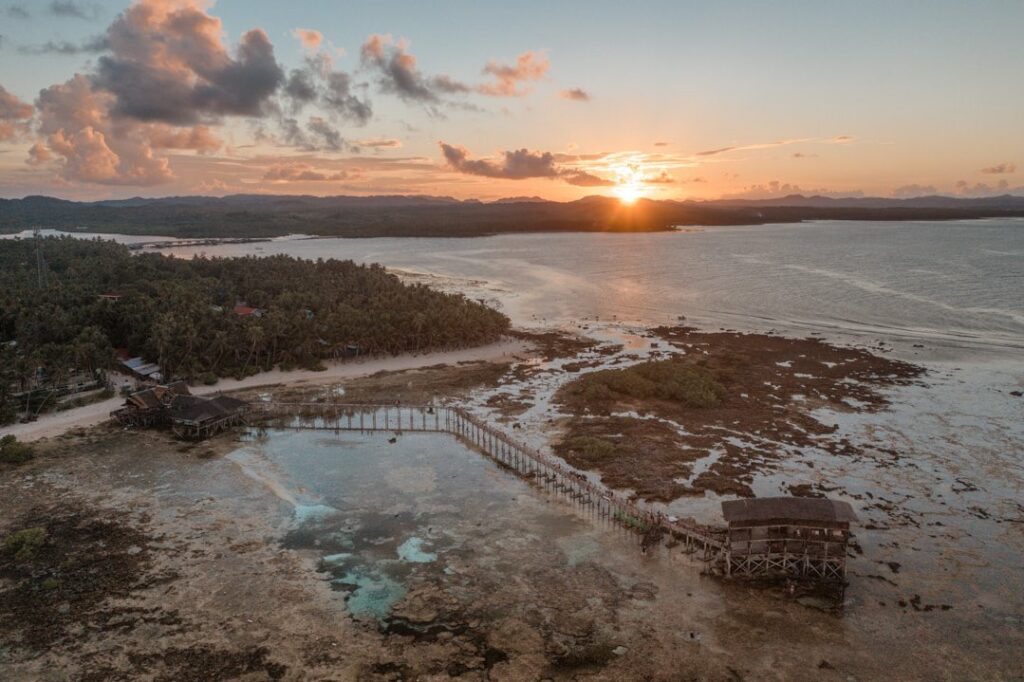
(407, 216)
(182, 313)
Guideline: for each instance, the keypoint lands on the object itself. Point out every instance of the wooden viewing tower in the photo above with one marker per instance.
(794, 537)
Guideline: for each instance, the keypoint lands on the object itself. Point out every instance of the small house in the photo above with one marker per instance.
(195, 417)
(189, 416)
(797, 537)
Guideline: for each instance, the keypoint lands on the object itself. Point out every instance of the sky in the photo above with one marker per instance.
(666, 100)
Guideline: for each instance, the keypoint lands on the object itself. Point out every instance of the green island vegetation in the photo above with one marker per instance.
(63, 316)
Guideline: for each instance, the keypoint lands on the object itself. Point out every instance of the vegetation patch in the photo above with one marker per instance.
(60, 569)
(674, 380)
(23, 544)
(14, 452)
(725, 406)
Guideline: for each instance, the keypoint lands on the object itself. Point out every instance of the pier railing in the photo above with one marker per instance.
(531, 464)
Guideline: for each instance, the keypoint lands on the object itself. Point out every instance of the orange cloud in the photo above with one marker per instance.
(310, 38)
(999, 169)
(301, 172)
(529, 66)
(14, 115)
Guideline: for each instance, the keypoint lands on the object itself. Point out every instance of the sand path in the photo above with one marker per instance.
(56, 423)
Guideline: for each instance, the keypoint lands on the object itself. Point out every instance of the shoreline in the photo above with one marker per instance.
(57, 423)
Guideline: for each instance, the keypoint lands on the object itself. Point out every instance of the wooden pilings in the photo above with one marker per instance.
(540, 469)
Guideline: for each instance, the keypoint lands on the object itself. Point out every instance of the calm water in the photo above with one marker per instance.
(951, 284)
(957, 284)
(380, 514)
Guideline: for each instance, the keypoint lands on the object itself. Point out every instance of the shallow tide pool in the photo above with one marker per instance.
(379, 512)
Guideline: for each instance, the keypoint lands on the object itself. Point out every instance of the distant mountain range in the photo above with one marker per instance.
(258, 215)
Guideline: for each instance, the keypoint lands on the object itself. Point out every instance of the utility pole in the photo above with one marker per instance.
(40, 261)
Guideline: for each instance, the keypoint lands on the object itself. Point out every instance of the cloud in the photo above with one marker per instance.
(914, 190)
(317, 134)
(575, 94)
(661, 144)
(14, 115)
(90, 45)
(165, 80)
(515, 165)
(330, 137)
(519, 164)
(661, 178)
(168, 63)
(311, 39)
(17, 12)
(199, 138)
(91, 145)
(398, 73)
(776, 189)
(318, 82)
(38, 154)
(339, 99)
(999, 169)
(713, 152)
(301, 172)
(529, 66)
(73, 10)
(301, 87)
(839, 139)
(981, 189)
(380, 143)
(581, 178)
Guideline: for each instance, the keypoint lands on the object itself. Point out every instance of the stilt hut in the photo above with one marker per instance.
(189, 416)
(794, 537)
(195, 417)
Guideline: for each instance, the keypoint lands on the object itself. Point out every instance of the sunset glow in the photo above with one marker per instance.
(107, 99)
(347, 340)
(630, 185)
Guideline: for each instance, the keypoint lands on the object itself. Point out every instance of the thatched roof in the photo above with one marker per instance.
(764, 509)
(190, 408)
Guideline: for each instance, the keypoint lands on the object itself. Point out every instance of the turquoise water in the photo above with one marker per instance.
(382, 515)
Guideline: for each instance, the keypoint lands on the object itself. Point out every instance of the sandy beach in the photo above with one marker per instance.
(54, 424)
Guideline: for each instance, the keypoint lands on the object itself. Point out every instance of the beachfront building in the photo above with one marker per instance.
(189, 416)
(794, 537)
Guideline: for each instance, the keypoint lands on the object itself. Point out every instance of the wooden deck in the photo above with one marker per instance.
(780, 550)
(544, 471)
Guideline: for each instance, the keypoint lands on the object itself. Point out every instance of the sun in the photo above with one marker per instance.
(628, 194)
(630, 184)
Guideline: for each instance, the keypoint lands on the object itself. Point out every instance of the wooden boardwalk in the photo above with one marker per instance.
(542, 470)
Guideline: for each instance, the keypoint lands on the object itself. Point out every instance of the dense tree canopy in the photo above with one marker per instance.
(181, 313)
